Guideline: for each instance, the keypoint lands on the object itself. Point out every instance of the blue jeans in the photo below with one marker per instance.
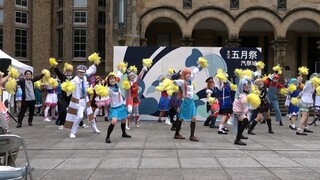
(274, 104)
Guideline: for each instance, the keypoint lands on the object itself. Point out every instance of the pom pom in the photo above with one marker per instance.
(283, 91)
(13, 72)
(95, 58)
(89, 90)
(277, 69)
(46, 73)
(167, 83)
(203, 62)
(247, 73)
(294, 101)
(303, 70)
(211, 100)
(175, 88)
(53, 62)
(160, 88)
(255, 90)
(238, 72)
(318, 91)
(170, 92)
(265, 77)
(67, 67)
(221, 76)
(133, 69)
(292, 88)
(253, 100)
(126, 84)
(233, 87)
(101, 90)
(315, 82)
(11, 85)
(68, 86)
(37, 84)
(260, 65)
(122, 67)
(170, 71)
(147, 62)
(53, 82)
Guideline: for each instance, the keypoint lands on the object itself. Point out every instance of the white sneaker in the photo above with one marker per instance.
(96, 130)
(72, 136)
(84, 126)
(138, 125)
(167, 122)
(127, 126)
(61, 127)
(47, 119)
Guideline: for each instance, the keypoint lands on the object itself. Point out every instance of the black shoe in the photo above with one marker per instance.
(206, 124)
(307, 130)
(126, 135)
(280, 123)
(263, 121)
(251, 132)
(18, 126)
(239, 143)
(214, 126)
(225, 129)
(301, 133)
(270, 131)
(243, 137)
(30, 124)
(173, 129)
(108, 140)
(222, 132)
(57, 122)
(159, 121)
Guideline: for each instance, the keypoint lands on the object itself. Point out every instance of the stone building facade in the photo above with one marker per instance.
(70, 30)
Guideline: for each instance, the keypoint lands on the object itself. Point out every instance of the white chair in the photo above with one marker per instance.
(9, 147)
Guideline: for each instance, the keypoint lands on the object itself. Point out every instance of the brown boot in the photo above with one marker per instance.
(193, 138)
(178, 136)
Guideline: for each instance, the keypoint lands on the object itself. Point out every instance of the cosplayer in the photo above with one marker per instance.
(51, 99)
(163, 105)
(175, 101)
(293, 109)
(101, 102)
(4, 117)
(212, 92)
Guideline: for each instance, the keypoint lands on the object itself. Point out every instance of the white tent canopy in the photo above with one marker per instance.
(21, 67)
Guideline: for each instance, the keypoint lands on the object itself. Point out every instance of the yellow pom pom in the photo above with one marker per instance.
(53, 82)
(13, 72)
(101, 90)
(265, 77)
(37, 84)
(11, 85)
(170, 71)
(46, 73)
(233, 87)
(67, 67)
(278, 69)
(133, 69)
(68, 86)
(211, 100)
(160, 88)
(260, 65)
(315, 82)
(89, 90)
(167, 83)
(122, 67)
(292, 88)
(147, 62)
(255, 90)
(53, 62)
(253, 100)
(294, 101)
(203, 62)
(238, 72)
(126, 84)
(248, 73)
(175, 88)
(95, 58)
(303, 70)
(283, 91)
(221, 76)
(170, 92)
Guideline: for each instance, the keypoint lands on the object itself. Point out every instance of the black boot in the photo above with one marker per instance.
(174, 125)
(213, 121)
(123, 128)
(263, 121)
(110, 129)
(269, 126)
(241, 126)
(206, 123)
(178, 127)
(250, 131)
(192, 129)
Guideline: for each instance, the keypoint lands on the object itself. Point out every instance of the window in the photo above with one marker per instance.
(101, 42)
(79, 3)
(1, 38)
(60, 42)
(234, 4)
(1, 16)
(22, 3)
(102, 3)
(21, 17)
(60, 3)
(1, 2)
(282, 4)
(21, 43)
(80, 17)
(60, 17)
(187, 4)
(101, 18)
(79, 42)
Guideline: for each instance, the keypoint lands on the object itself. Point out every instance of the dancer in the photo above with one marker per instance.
(293, 109)
(175, 102)
(101, 102)
(163, 106)
(4, 117)
(213, 92)
(51, 101)
(18, 99)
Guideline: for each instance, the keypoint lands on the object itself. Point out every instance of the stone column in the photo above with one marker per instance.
(186, 41)
(280, 46)
(233, 41)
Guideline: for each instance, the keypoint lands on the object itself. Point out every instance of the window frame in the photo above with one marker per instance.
(74, 50)
(21, 18)
(21, 5)
(20, 43)
(80, 18)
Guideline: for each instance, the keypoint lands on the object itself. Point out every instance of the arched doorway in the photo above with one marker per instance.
(209, 33)
(163, 32)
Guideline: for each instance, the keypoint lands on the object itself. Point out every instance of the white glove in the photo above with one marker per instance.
(271, 76)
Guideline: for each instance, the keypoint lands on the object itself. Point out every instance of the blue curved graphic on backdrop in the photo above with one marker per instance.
(193, 58)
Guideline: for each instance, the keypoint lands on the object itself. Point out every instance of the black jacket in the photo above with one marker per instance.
(22, 83)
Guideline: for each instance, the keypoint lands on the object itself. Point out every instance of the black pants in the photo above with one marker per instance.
(24, 106)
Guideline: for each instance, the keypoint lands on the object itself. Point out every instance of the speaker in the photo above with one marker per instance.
(5, 63)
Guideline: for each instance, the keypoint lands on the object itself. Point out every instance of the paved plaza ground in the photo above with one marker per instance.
(152, 153)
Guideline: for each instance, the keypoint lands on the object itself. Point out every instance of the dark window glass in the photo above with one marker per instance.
(79, 42)
(21, 43)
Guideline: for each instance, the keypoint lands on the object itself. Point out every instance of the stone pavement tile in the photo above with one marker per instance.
(250, 173)
(308, 162)
(307, 146)
(295, 173)
(79, 163)
(39, 173)
(199, 162)
(53, 154)
(128, 145)
(300, 154)
(159, 174)
(204, 174)
(160, 153)
(315, 169)
(235, 153)
(277, 162)
(46, 163)
(70, 144)
(238, 162)
(89, 154)
(74, 174)
(115, 163)
(190, 153)
(124, 153)
(260, 154)
(219, 145)
(97, 145)
(160, 145)
(159, 163)
(112, 174)
(186, 144)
